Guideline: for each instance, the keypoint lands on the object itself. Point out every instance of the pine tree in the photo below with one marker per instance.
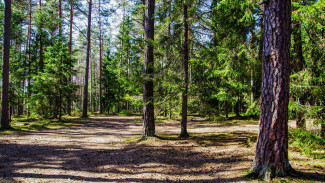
(148, 69)
(85, 93)
(185, 66)
(5, 123)
(271, 159)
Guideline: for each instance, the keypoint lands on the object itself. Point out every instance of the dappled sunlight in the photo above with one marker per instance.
(107, 149)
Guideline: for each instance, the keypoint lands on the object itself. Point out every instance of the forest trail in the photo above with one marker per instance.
(102, 150)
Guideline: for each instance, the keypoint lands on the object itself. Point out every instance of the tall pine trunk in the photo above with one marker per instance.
(60, 18)
(61, 59)
(185, 67)
(271, 159)
(70, 52)
(29, 55)
(85, 93)
(251, 62)
(41, 52)
(100, 63)
(148, 69)
(5, 122)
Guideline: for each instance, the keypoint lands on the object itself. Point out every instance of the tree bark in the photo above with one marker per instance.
(60, 18)
(5, 122)
(185, 67)
(41, 59)
(29, 55)
(148, 69)
(70, 52)
(85, 93)
(100, 63)
(251, 63)
(271, 159)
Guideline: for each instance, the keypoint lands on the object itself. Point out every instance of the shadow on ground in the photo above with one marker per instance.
(130, 160)
(190, 160)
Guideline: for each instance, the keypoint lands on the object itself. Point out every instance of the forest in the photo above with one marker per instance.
(175, 70)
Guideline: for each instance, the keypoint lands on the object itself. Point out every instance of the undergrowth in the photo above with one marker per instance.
(312, 145)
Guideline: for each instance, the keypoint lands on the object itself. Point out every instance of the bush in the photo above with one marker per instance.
(126, 113)
(254, 109)
(308, 142)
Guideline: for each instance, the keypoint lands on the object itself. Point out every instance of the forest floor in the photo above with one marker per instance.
(108, 149)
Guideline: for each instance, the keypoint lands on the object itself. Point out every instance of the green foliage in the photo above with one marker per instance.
(27, 124)
(311, 144)
(225, 41)
(52, 88)
(111, 85)
(253, 109)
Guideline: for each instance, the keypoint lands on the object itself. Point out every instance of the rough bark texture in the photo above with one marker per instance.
(185, 67)
(271, 159)
(85, 93)
(148, 68)
(5, 123)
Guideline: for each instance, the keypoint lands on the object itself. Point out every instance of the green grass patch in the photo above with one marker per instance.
(231, 122)
(312, 145)
(27, 124)
(133, 139)
(205, 139)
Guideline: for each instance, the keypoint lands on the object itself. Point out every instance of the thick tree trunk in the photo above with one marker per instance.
(185, 67)
(5, 122)
(148, 69)
(271, 159)
(85, 93)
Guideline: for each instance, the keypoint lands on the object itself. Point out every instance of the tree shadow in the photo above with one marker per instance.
(308, 176)
(95, 164)
(214, 139)
(127, 161)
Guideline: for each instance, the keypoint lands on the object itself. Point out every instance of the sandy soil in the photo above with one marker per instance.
(97, 152)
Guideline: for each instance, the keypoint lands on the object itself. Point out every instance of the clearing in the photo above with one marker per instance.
(107, 149)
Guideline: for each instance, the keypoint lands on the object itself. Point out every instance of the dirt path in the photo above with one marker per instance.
(97, 152)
